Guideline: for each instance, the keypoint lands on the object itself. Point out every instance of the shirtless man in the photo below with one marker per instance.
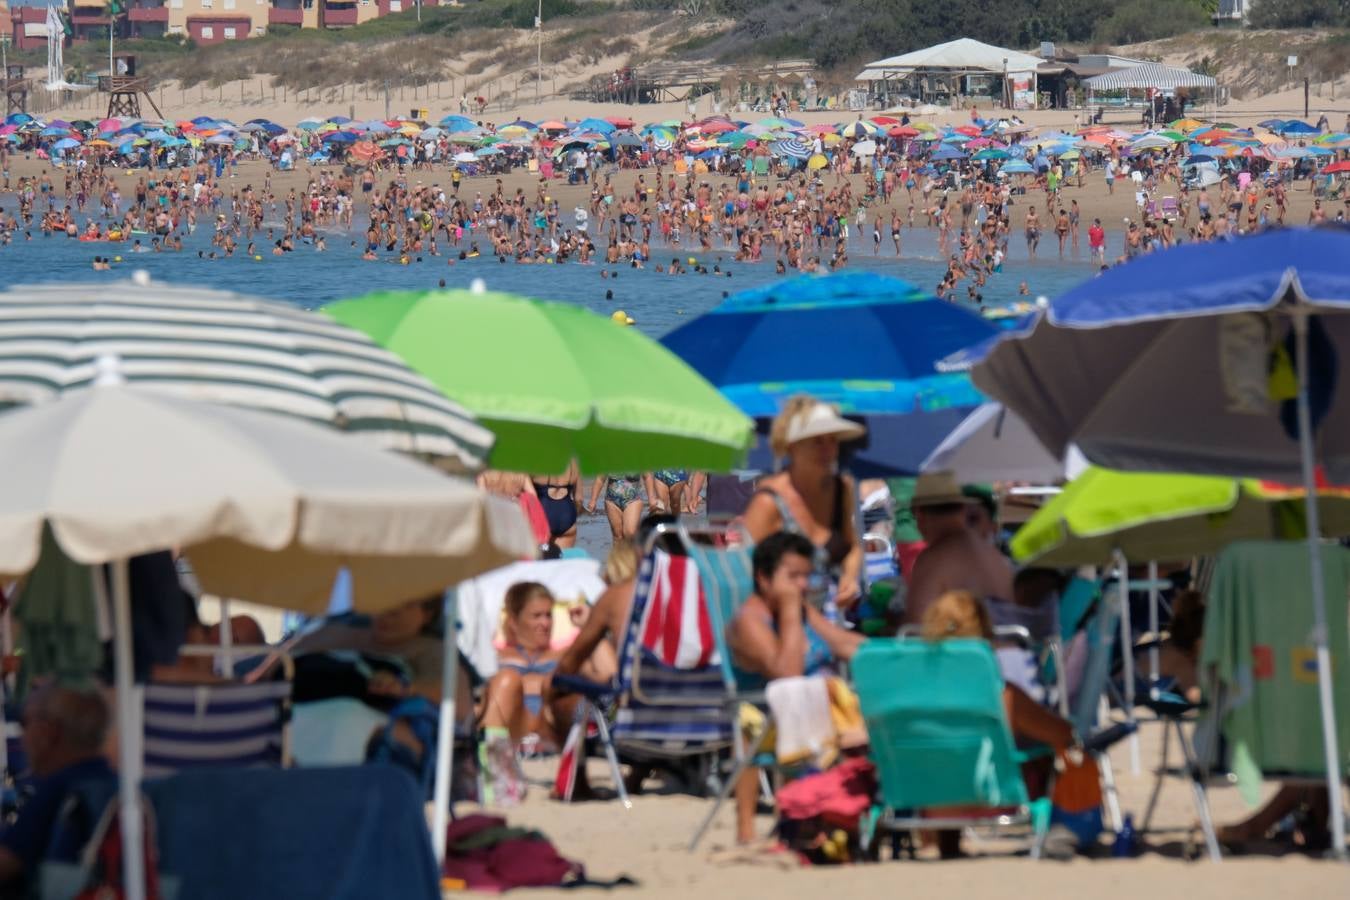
(956, 558)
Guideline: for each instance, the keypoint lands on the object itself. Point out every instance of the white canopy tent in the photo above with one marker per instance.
(964, 56)
(1151, 77)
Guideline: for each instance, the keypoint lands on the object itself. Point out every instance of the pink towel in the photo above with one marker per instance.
(676, 626)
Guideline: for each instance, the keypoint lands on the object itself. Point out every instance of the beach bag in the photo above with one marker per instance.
(488, 855)
(820, 816)
(97, 875)
(1077, 795)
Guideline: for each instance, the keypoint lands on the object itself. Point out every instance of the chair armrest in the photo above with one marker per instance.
(1099, 742)
(575, 684)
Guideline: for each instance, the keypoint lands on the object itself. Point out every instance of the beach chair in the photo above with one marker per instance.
(1258, 624)
(673, 695)
(229, 724)
(1169, 209)
(939, 737)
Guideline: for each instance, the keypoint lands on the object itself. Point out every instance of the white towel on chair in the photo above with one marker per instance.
(801, 716)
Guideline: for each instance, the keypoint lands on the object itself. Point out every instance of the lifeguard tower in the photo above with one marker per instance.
(125, 88)
(16, 90)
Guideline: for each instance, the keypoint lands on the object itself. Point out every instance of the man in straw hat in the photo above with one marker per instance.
(956, 558)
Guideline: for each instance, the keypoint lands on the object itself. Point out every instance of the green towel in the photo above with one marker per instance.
(1258, 625)
(906, 529)
(58, 619)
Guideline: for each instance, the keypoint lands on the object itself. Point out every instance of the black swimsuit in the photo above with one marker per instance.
(561, 513)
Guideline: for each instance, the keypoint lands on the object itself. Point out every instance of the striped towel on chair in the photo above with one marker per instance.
(676, 627)
(191, 726)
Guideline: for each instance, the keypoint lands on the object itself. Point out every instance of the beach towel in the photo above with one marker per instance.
(676, 626)
(801, 714)
(1258, 626)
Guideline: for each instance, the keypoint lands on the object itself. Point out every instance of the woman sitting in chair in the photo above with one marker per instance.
(959, 614)
(515, 695)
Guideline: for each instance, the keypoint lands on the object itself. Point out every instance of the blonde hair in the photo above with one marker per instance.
(957, 614)
(519, 595)
(622, 563)
(797, 405)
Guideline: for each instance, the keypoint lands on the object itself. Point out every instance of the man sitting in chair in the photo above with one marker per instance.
(63, 732)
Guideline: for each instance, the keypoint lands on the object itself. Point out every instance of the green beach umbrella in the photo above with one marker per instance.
(556, 382)
(1149, 516)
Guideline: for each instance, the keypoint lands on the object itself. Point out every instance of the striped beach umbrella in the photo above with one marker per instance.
(794, 149)
(225, 348)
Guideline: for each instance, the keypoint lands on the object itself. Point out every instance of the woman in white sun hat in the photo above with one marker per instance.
(809, 495)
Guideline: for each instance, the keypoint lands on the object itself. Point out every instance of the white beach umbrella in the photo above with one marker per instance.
(865, 148)
(266, 507)
(995, 444)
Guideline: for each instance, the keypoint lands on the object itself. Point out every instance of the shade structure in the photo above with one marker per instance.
(1152, 516)
(960, 55)
(1104, 365)
(267, 507)
(555, 382)
(1149, 75)
(866, 342)
(222, 347)
(1224, 358)
(994, 444)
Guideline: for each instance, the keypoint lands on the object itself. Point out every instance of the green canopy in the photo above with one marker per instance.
(556, 382)
(1151, 516)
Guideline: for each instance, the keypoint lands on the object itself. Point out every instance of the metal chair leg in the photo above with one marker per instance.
(1109, 789)
(1201, 798)
(1158, 780)
(613, 757)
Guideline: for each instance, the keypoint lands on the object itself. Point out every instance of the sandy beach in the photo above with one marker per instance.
(649, 841)
(1093, 197)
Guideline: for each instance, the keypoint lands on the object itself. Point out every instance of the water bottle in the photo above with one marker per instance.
(1125, 839)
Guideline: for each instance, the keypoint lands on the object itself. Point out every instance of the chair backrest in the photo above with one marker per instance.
(1100, 630)
(230, 724)
(295, 834)
(937, 724)
(681, 708)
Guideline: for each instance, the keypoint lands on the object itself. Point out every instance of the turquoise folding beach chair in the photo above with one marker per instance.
(940, 737)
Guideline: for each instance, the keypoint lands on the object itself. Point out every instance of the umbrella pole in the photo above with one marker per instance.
(129, 761)
(1127, 656)
(1313, 516)
(1153, 623)
(445, 727)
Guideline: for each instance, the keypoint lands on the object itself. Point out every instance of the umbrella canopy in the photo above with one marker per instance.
(223, 347)
(801, 336)
(1150, 516)
(994, 444)
(268, 508)
(611, 398)
(1184, 317)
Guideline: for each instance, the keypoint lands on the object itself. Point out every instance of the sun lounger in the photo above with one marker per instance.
(1169, 209)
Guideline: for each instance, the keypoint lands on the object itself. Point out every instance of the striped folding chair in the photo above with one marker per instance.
(229, 724)
(672, 693)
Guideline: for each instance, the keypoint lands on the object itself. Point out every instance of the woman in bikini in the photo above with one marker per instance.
(515, 695)
(811, 498)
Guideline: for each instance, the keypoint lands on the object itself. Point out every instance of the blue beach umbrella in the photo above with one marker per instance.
(66, 144)
(794, 149)
(1255, 329)
(1295, 127)
(457, 123)
(947, 152)
(764, 345)
(1017, 167)
(599, 125)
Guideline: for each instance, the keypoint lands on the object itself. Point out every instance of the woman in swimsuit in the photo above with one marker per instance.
(810, 497)
(558, 494)
(622, 493)
(515, 695)
(665, 490)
